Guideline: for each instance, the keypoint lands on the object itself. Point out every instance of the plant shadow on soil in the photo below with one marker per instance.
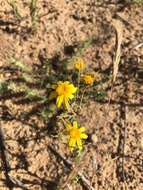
(20, 99)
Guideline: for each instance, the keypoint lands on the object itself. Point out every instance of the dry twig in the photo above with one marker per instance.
(74, 170)
(4, 161)
(10, 182)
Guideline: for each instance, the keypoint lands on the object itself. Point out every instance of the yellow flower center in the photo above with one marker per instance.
(88, 79)
(63, 89)
(75, 133)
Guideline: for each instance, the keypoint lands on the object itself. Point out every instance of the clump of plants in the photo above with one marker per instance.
(62, 88)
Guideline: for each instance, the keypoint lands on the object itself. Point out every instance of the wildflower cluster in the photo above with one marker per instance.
(64, 92)
(61, 93)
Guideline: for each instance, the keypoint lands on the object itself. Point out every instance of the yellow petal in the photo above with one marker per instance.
(59, 82)
(59, 101)
(66, 103)
(71, 96)
(72, 142)
(66, 82)
(79, 144)
(72, 88)
(84, 136)
(82, 129)
(75, 124)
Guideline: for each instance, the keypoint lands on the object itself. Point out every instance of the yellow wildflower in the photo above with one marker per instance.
(89, 79)
(63, 92)
(79, 63)
(75, 135)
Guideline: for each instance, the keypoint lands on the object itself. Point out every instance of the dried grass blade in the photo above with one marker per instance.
(119, 37)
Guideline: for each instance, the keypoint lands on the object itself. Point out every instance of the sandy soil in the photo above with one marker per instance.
(115, 162)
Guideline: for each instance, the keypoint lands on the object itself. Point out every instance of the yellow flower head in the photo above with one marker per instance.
(88, 79)
(63, 92)
(79, 63)
(75, 135)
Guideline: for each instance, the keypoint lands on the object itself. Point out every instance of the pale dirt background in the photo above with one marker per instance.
(62, 24)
